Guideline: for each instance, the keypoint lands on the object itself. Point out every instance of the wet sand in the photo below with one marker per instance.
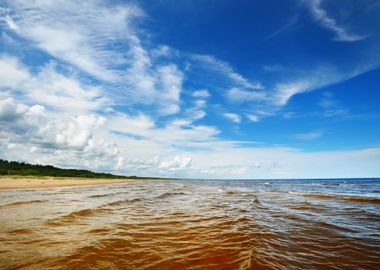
(15, 183)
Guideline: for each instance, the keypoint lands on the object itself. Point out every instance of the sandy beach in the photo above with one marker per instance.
(14, 183)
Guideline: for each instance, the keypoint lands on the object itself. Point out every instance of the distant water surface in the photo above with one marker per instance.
(194, 224)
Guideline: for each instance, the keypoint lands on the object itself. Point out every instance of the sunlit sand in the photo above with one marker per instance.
(13, 183)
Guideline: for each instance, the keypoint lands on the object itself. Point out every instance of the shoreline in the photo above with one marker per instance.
(51, 182)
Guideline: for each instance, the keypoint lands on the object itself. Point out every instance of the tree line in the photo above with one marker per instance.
(27, 169)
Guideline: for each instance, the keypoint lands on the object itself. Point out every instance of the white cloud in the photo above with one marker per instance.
(48, 87)
(197, 114)
(321, 16)
(175, 132)
(32, 133)
(317, 78)
(327, 101)
(150, 83)
(309, 136)
(136, 125)
(240, 96)
(73, 32)
(171, 84)
(178, 163)
(226, 69)
(201, 94)
(7, 19)
(63, 93)
(200, 103)
(332, 107)
(12, 74)
(10, 110)
(232, 117)
(276, 162)
(284, 91)
(253, 117)
(36, 125)
(161, 51)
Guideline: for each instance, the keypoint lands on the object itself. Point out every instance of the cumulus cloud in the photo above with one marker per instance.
(232, 117)
(34, 134)
(178, 163)
(10, 110)
(43, 128)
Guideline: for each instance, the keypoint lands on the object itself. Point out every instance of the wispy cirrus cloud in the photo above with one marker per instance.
(320, 15)
(245, 95)
(72, 31)
(288, 25)
(49, 87)
(308, 136)
(108, 50)
(225, 68)
(331, 107)
(317, 78)
(12, 72)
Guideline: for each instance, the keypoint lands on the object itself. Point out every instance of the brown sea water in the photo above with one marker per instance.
(289, 224)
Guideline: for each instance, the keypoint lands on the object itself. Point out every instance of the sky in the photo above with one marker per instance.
(191, 88)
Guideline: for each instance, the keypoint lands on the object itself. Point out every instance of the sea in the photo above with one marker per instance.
(194, 224)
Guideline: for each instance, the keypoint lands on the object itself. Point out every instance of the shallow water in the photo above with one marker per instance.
(278, 224)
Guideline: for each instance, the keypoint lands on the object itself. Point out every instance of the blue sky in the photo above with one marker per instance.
(199, 89)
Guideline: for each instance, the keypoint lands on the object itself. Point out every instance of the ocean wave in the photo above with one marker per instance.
(21, 231)
(121, 202)
(23, 203)
(170, 194)
(309, 208)
(102, 195)
(353, 198)
(77, 215)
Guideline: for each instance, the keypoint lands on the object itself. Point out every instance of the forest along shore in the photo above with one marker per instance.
(15, 174)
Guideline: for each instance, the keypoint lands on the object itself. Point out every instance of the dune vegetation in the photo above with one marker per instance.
(14, 168)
